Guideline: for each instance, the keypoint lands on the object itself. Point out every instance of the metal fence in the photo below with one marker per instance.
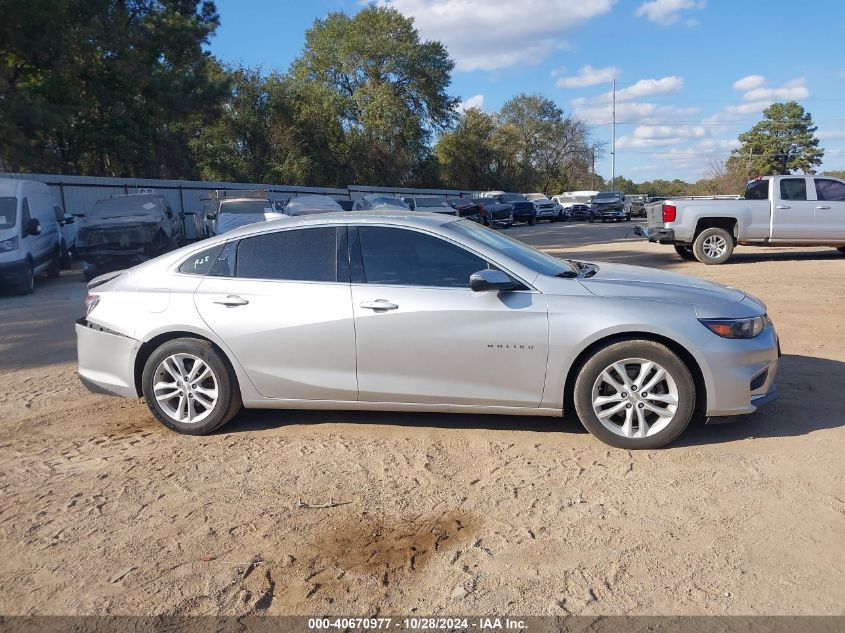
(77, 194)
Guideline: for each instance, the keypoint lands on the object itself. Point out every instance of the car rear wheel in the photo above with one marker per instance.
(635, 394)
(685, 252)
(713, 246)
(532, 221)
(190, 386)
(55, 267)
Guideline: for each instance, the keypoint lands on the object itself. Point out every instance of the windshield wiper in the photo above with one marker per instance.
(567, 274)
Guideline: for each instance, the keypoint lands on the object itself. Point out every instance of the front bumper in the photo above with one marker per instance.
(106, 360)
(742, 374)
(13, 272)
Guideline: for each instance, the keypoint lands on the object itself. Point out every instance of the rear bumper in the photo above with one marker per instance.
(662, 236)
(106, 360)
(13, 272)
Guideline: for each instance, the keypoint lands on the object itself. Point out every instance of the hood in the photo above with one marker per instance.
(228, 221)
(621, 280)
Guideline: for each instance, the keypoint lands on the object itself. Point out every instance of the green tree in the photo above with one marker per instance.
(466, 155)
(536, 144)
(782, 143)
(105, 87)
(385, 86)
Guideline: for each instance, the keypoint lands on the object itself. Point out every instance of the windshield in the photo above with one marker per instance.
(757, 190)
(607, 195)
(8, 212)
(389, 202)
(430, 202)
(512, 197)
(126, 206)
(516, 250)
(246, 206)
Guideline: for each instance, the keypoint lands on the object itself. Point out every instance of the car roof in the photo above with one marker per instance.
(399, 218)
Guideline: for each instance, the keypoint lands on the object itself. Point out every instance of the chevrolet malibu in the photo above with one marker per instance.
(402, 311)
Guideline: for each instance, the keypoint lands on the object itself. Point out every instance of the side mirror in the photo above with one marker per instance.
(69, 219)
(486, 280)
(33, 227)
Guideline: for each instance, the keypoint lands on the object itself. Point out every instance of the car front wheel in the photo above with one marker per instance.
(635, 394)
(190, 386)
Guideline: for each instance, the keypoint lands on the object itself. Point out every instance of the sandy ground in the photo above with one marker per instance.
(103, 510)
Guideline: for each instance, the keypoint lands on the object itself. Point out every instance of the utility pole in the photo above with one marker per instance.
(593, 174)
(613, 143)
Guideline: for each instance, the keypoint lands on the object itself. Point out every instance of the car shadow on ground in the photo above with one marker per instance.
(809, 394)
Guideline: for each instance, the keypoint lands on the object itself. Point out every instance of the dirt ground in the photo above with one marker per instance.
(103, 510)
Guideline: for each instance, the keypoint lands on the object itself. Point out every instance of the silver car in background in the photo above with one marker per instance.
(405, 311)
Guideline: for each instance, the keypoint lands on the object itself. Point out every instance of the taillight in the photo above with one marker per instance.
(91, 302)
(669, 213)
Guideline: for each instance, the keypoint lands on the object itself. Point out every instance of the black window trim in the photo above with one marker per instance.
(816, 180)
(357, 260)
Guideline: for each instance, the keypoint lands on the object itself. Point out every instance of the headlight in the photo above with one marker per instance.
(9, 245)
(735, 328)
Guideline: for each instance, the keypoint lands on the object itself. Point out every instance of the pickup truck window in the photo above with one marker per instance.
(832, 190)
(793, 189)
(757, 190)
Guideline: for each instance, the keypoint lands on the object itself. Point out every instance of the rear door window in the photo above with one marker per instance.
(793, 189)
(308, 254)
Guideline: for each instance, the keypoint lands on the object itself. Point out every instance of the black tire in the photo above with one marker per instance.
(27, 285)
(701, 246)
(685, 252)
(532, 221)
(89, 274)
(841, 249)
(55, 267)
(65, 259)
(628, 218)
(229, 396)
(590, 371)
(591, 219)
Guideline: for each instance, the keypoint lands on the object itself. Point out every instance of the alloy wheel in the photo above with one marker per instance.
(714, 246)
(635, 398)
(186, 388)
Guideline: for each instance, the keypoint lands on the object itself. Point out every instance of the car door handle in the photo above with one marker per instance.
(379, 304)
(783, 206)
(232, 301)
(823, 207)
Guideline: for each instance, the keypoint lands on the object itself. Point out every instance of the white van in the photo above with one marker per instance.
(30, 240)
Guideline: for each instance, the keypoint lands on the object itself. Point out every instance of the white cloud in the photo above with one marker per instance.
(751, 82)
(669, 131)
(642, 112)
(589, 76)
(831, 135)
(484, 35)
(691, 23)
(476, 101)
(794, 89)
(646, 87)
(666, 12)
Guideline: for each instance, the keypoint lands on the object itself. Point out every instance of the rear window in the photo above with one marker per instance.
(294, 255)
(246, 206)
(757, 190)
(8, 212)
(201, 263)
(430, 202)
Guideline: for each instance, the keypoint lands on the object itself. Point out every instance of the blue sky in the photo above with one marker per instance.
(691, 74)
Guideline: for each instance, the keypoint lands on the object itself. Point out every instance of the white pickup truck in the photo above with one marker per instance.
(776, 211)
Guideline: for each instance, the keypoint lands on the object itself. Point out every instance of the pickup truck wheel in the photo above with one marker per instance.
(713, 246)
(635, 394)
(532, 221)
(685, 252)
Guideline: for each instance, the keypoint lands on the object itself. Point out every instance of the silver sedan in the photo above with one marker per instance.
(402, 311)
